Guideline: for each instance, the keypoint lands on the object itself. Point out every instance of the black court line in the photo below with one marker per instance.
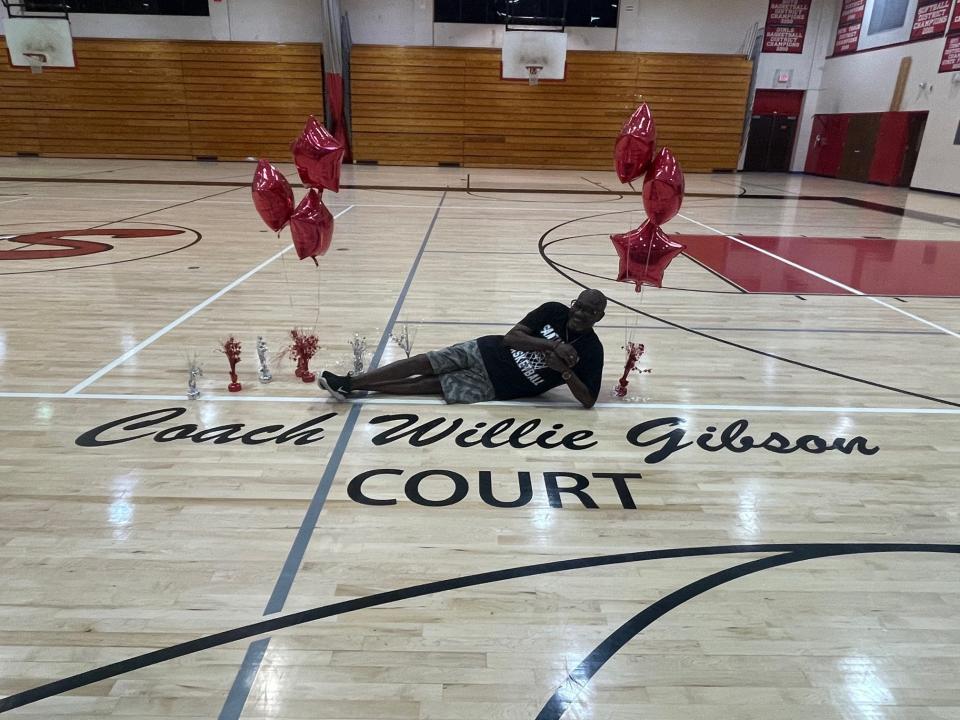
(795, 552)
(838, 331)
(471, 189)
(197, 238)
(894, 210)
(713, 272)
(615, 195)
(740, 291)
(612, 198)
(601, 185)
(543, 244)
(577, 680)
(163, 209)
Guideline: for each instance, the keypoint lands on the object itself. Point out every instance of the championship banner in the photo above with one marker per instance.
(848, 29)
(786, 28)
(950, 61)
(931, 19)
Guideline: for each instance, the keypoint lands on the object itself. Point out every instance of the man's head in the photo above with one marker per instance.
(586, 311)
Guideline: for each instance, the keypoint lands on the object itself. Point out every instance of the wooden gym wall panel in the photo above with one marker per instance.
(123, 99)
(569, 124)
(250, 99)
(699, 104)
(417, 105)
(164, 99)
(407, 104)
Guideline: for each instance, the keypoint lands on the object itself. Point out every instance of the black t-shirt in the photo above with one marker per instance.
(520, 373)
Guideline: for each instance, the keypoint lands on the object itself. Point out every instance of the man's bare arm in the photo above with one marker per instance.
(580, 391)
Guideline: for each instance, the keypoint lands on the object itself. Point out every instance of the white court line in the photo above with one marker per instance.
(187, 315)
(635, 407)
(525, 207)
(98, 198)
(515, 208)
(836, 283)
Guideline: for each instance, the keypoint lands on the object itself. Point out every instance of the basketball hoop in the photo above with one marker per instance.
(36, 61)
(534, 55)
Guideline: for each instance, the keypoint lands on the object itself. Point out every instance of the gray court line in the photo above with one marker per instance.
(237, 697)
(243, 682)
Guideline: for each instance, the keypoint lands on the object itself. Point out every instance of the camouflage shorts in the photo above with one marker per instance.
(462, 374)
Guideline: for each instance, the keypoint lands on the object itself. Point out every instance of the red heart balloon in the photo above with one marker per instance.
(644, 255)
(663, 188)
(272, 196)
(318, 156)
(635, 145)
(311, 227)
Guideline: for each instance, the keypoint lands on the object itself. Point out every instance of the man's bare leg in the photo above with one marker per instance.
(405, 369)
(399, 378)
(426, 385)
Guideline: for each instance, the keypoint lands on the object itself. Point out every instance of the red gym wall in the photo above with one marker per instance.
(866, 147)
(778, 102)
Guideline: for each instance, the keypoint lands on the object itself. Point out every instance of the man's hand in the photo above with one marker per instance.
(579, 390)
(567, 354)
(555, 362)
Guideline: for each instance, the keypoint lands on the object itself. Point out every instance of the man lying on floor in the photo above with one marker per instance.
(553, 345)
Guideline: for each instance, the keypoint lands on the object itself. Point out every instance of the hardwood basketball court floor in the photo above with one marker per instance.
(767, 525)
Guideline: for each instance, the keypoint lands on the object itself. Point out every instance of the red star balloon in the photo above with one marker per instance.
(272, 196)
(312, 227)
(663, 188)
(644, 255)
(633, 152)
(318, 156)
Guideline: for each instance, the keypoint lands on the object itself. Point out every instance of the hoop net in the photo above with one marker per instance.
(36, 61)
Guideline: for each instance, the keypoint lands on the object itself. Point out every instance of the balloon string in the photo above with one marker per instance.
(316, 321)
(286, 279)
(646, 264)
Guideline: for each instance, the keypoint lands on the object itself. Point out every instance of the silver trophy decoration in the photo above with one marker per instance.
(263, 373)
(404, 340)
(359, 347)
(196, 371)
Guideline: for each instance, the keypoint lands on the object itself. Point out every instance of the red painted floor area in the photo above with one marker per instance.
(872, 265)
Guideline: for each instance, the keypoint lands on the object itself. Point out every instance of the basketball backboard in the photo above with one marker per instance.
(39, 42)
(534, 55)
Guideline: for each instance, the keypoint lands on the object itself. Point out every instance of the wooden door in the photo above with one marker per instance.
(858, 148)
(917, 123)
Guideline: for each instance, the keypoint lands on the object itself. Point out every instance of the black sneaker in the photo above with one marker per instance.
(338, 387)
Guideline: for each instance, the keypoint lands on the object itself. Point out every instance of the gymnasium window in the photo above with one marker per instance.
(579, 13)
(121, 7)
(887, 15)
